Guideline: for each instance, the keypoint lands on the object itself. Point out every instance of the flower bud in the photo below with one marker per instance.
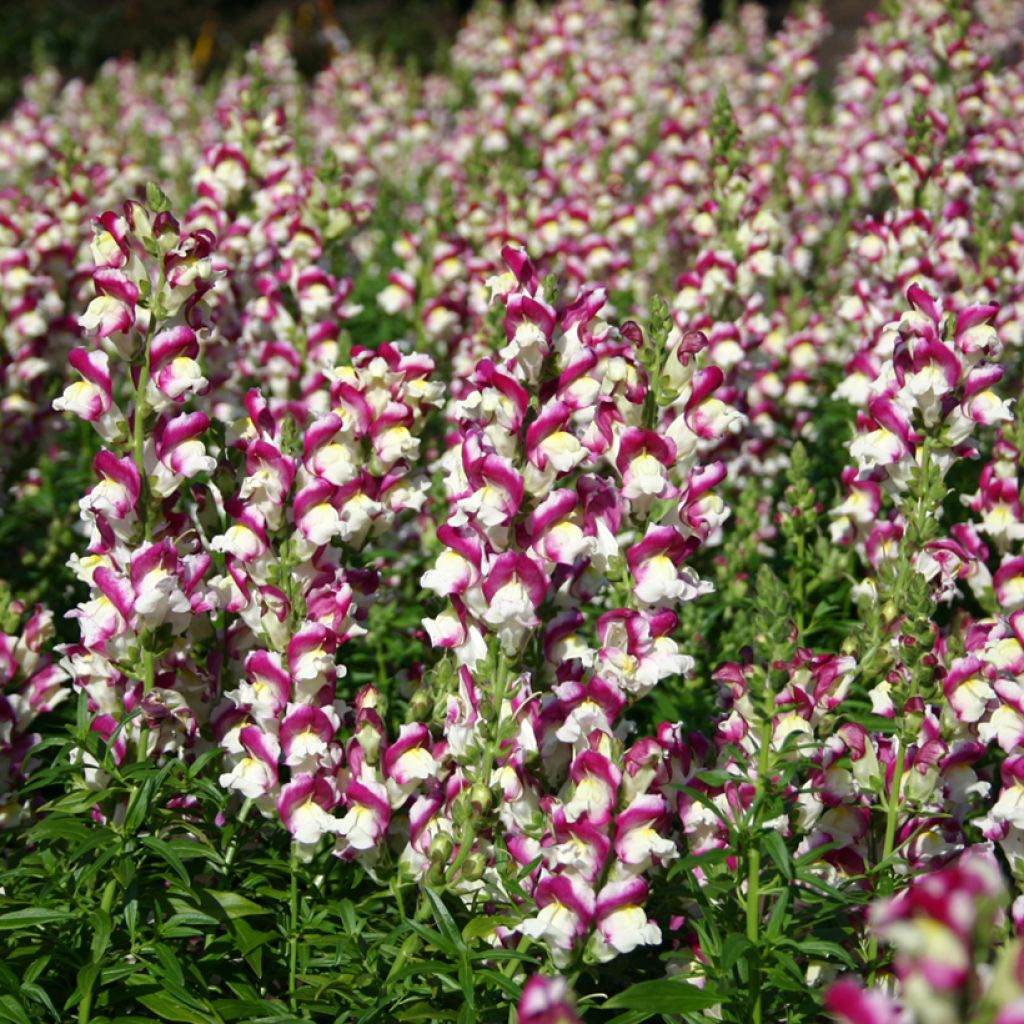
(462, 808)
(420, 706)
(480, 798)
(473, 867)
(441, 849)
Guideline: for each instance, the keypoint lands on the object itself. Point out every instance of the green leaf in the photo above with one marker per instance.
(156, 199)
(735, 946)
(166, 1007)
(822, 949)
(444, 920)
(33, 991)
(163, 850)
(663, 996)
(699, 860)
(101, 925)
(776, 847)
(11, 1010)
(32, 916)
(230, 903)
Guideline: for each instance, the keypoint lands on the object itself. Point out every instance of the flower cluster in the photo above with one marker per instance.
(586, 490)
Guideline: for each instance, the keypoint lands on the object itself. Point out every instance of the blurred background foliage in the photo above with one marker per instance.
(78, 35)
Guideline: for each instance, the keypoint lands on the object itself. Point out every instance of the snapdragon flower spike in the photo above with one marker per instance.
(935, 926)
(31, 685)
(943, 386)
(550, 438)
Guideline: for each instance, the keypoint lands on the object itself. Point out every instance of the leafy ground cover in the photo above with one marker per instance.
(539, 542)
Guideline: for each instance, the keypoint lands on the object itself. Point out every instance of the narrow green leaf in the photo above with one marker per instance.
(166, 1007)
(32, 916)
(776, 847)
(445, 921)
(820, 948)
(100, 922)
(11, 1010)
(663, 996)
(736, 945)
(234, 905)
(163, 850)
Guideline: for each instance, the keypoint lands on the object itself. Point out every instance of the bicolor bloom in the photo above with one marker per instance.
(366, 821)
(565, 908)
(656, 565)
(254, 774)
(304, 805)
(92, 398)
(622, 922)
(546, 1001)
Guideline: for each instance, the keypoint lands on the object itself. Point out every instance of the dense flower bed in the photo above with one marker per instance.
(558, 522)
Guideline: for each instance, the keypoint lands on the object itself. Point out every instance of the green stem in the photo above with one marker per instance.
(468, 828)
(801, 596)
(138, 428)
(85, 1006)
(892, 811)
(229, 857)
(513, 964)
(754, 872)
(138, 442)
(412, 941)
(293, 929)
(889, 840)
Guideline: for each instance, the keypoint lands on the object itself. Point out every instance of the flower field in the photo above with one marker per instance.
(537, 541)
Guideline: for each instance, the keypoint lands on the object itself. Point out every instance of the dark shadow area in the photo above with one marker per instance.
(79, 36)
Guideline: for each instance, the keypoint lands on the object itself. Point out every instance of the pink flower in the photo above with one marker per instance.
(254, 774)
(304, 805)
(622, 922)
(546, 1001)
